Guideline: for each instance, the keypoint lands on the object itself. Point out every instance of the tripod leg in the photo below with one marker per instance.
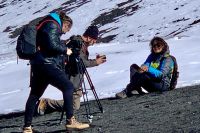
(92, 86)
(61, 117)
(86, 102)
(94, 92)
(84, 91)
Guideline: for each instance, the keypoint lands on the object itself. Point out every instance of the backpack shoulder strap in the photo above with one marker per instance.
(45, 21)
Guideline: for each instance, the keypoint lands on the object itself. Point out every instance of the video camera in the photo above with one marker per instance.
(75, 46)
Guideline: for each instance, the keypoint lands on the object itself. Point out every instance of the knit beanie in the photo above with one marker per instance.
(92, 31)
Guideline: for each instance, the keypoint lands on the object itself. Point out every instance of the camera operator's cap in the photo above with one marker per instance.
(92, 31)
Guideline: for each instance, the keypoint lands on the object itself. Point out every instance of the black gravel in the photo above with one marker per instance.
(176, 111)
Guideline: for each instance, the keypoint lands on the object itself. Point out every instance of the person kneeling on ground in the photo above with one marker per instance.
(155, 74)
(88, 38)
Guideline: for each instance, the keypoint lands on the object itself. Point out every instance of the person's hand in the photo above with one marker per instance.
(143, 69)
(69, 51)
(100, 59)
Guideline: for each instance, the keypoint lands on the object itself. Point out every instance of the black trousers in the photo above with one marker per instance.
(138, 80)
(42, 76)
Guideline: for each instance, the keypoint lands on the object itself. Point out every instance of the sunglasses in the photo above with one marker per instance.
(157, 44)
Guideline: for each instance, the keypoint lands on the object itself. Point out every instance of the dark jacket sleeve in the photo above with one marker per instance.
(86, 61)
(52, 32)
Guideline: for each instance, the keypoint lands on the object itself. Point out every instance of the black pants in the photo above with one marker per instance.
(138, 80)
(42, 76)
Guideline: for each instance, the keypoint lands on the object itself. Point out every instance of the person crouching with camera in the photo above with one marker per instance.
(79, 46)
(88, 38)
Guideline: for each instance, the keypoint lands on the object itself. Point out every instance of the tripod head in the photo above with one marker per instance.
(75, 44)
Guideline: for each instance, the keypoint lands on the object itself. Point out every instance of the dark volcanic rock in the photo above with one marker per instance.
(170, 112)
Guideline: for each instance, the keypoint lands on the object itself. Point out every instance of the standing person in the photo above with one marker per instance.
(88, 38)
(156, 72)
(47, 67)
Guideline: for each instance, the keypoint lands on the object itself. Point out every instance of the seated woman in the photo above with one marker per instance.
(156, 72)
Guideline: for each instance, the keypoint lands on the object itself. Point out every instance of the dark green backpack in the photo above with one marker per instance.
(26, 42)
(175, 74)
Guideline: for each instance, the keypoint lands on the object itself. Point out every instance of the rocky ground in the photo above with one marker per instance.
(176, 111)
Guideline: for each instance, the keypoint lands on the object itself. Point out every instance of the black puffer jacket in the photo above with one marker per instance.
(52, 50)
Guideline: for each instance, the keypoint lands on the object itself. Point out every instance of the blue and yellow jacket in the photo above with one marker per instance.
(160, 67)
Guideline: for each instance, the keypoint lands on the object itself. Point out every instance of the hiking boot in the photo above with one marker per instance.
(42, 106)
(73, 124)
(27, 130)
(121, 95)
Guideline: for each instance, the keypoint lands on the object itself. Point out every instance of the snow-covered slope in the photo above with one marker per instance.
(119, 20)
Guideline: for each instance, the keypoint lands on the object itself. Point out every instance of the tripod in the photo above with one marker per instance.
(82, 69)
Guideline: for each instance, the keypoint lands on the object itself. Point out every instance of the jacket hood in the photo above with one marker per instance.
(56, 17)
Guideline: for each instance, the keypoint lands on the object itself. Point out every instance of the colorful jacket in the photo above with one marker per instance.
(160, 67)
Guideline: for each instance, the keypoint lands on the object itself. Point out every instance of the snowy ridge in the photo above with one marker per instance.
(124, 20)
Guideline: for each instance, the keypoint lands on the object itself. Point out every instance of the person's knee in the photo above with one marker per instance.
(133, 66)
